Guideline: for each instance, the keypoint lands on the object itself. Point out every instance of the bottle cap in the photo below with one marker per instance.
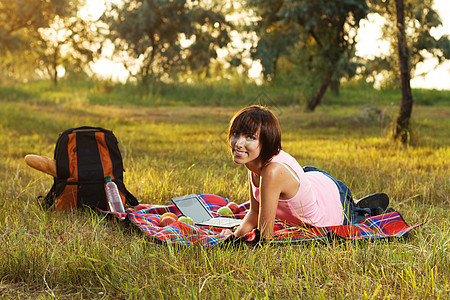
(107, 178)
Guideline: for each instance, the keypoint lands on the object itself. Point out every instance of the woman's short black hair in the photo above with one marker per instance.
(249, 119)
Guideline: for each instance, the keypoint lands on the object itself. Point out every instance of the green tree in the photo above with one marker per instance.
(20, 17)
(41, 35)
(153, 31)
(408, 28)
(19, 23)
(67, 42)
(318, 35)
(420, 18)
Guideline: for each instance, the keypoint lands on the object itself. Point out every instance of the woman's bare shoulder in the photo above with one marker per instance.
(273, 170)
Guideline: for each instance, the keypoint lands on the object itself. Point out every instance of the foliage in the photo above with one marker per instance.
(69, 42)
(17, 66)
(409, 28)
(316, 36)
(171, 151)
(20, 21)
(420, 19)
(151, 31)
(18, 18)
(43, 36)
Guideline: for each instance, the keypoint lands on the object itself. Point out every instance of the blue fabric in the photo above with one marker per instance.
(352, 214)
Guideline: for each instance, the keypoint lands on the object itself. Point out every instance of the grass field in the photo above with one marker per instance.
(173, 148)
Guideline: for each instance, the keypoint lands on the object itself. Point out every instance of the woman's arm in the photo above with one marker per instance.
(272, 182)
(250, 219)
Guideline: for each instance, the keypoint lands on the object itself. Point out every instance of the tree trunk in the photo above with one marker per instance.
(274, 70)
(315, 100)
(55, 75)
(147, 68)
(55, 66)
(401, 129)
(335, 86)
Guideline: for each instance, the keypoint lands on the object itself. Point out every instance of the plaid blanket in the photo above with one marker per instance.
(146, 218)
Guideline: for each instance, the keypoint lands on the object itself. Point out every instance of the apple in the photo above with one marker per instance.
(234, 207)
(168, 214)
(166, 221)
(186, 219)
(225, 211)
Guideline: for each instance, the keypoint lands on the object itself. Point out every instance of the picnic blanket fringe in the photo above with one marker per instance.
(146, 218)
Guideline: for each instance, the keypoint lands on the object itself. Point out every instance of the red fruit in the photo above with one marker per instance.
(168, 214)
(166, 221)
(234, 207)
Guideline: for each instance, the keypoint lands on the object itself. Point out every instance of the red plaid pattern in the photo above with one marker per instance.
(146, 217)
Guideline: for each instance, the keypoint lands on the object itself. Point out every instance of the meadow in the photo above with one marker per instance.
(173, 142)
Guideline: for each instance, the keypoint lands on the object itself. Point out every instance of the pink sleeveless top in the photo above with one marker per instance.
(317, 201)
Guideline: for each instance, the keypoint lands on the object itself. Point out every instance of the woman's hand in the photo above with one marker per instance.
(226, 232)
(251, 218)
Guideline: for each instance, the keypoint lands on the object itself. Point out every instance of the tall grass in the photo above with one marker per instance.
(177, 148)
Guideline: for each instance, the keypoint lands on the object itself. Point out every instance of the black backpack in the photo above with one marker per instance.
(84, 157)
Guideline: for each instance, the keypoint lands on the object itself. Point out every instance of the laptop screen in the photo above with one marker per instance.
(193, 207)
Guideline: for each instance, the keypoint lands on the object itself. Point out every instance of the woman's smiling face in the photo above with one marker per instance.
(245, 148)
(254, 136)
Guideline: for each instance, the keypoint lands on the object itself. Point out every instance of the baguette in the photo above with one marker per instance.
(42, 163)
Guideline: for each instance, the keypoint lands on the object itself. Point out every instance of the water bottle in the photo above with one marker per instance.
(113, 196)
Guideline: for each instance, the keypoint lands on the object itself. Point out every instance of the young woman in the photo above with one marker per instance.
(279, 187)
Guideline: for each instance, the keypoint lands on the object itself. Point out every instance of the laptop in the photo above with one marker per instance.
(192, 206)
